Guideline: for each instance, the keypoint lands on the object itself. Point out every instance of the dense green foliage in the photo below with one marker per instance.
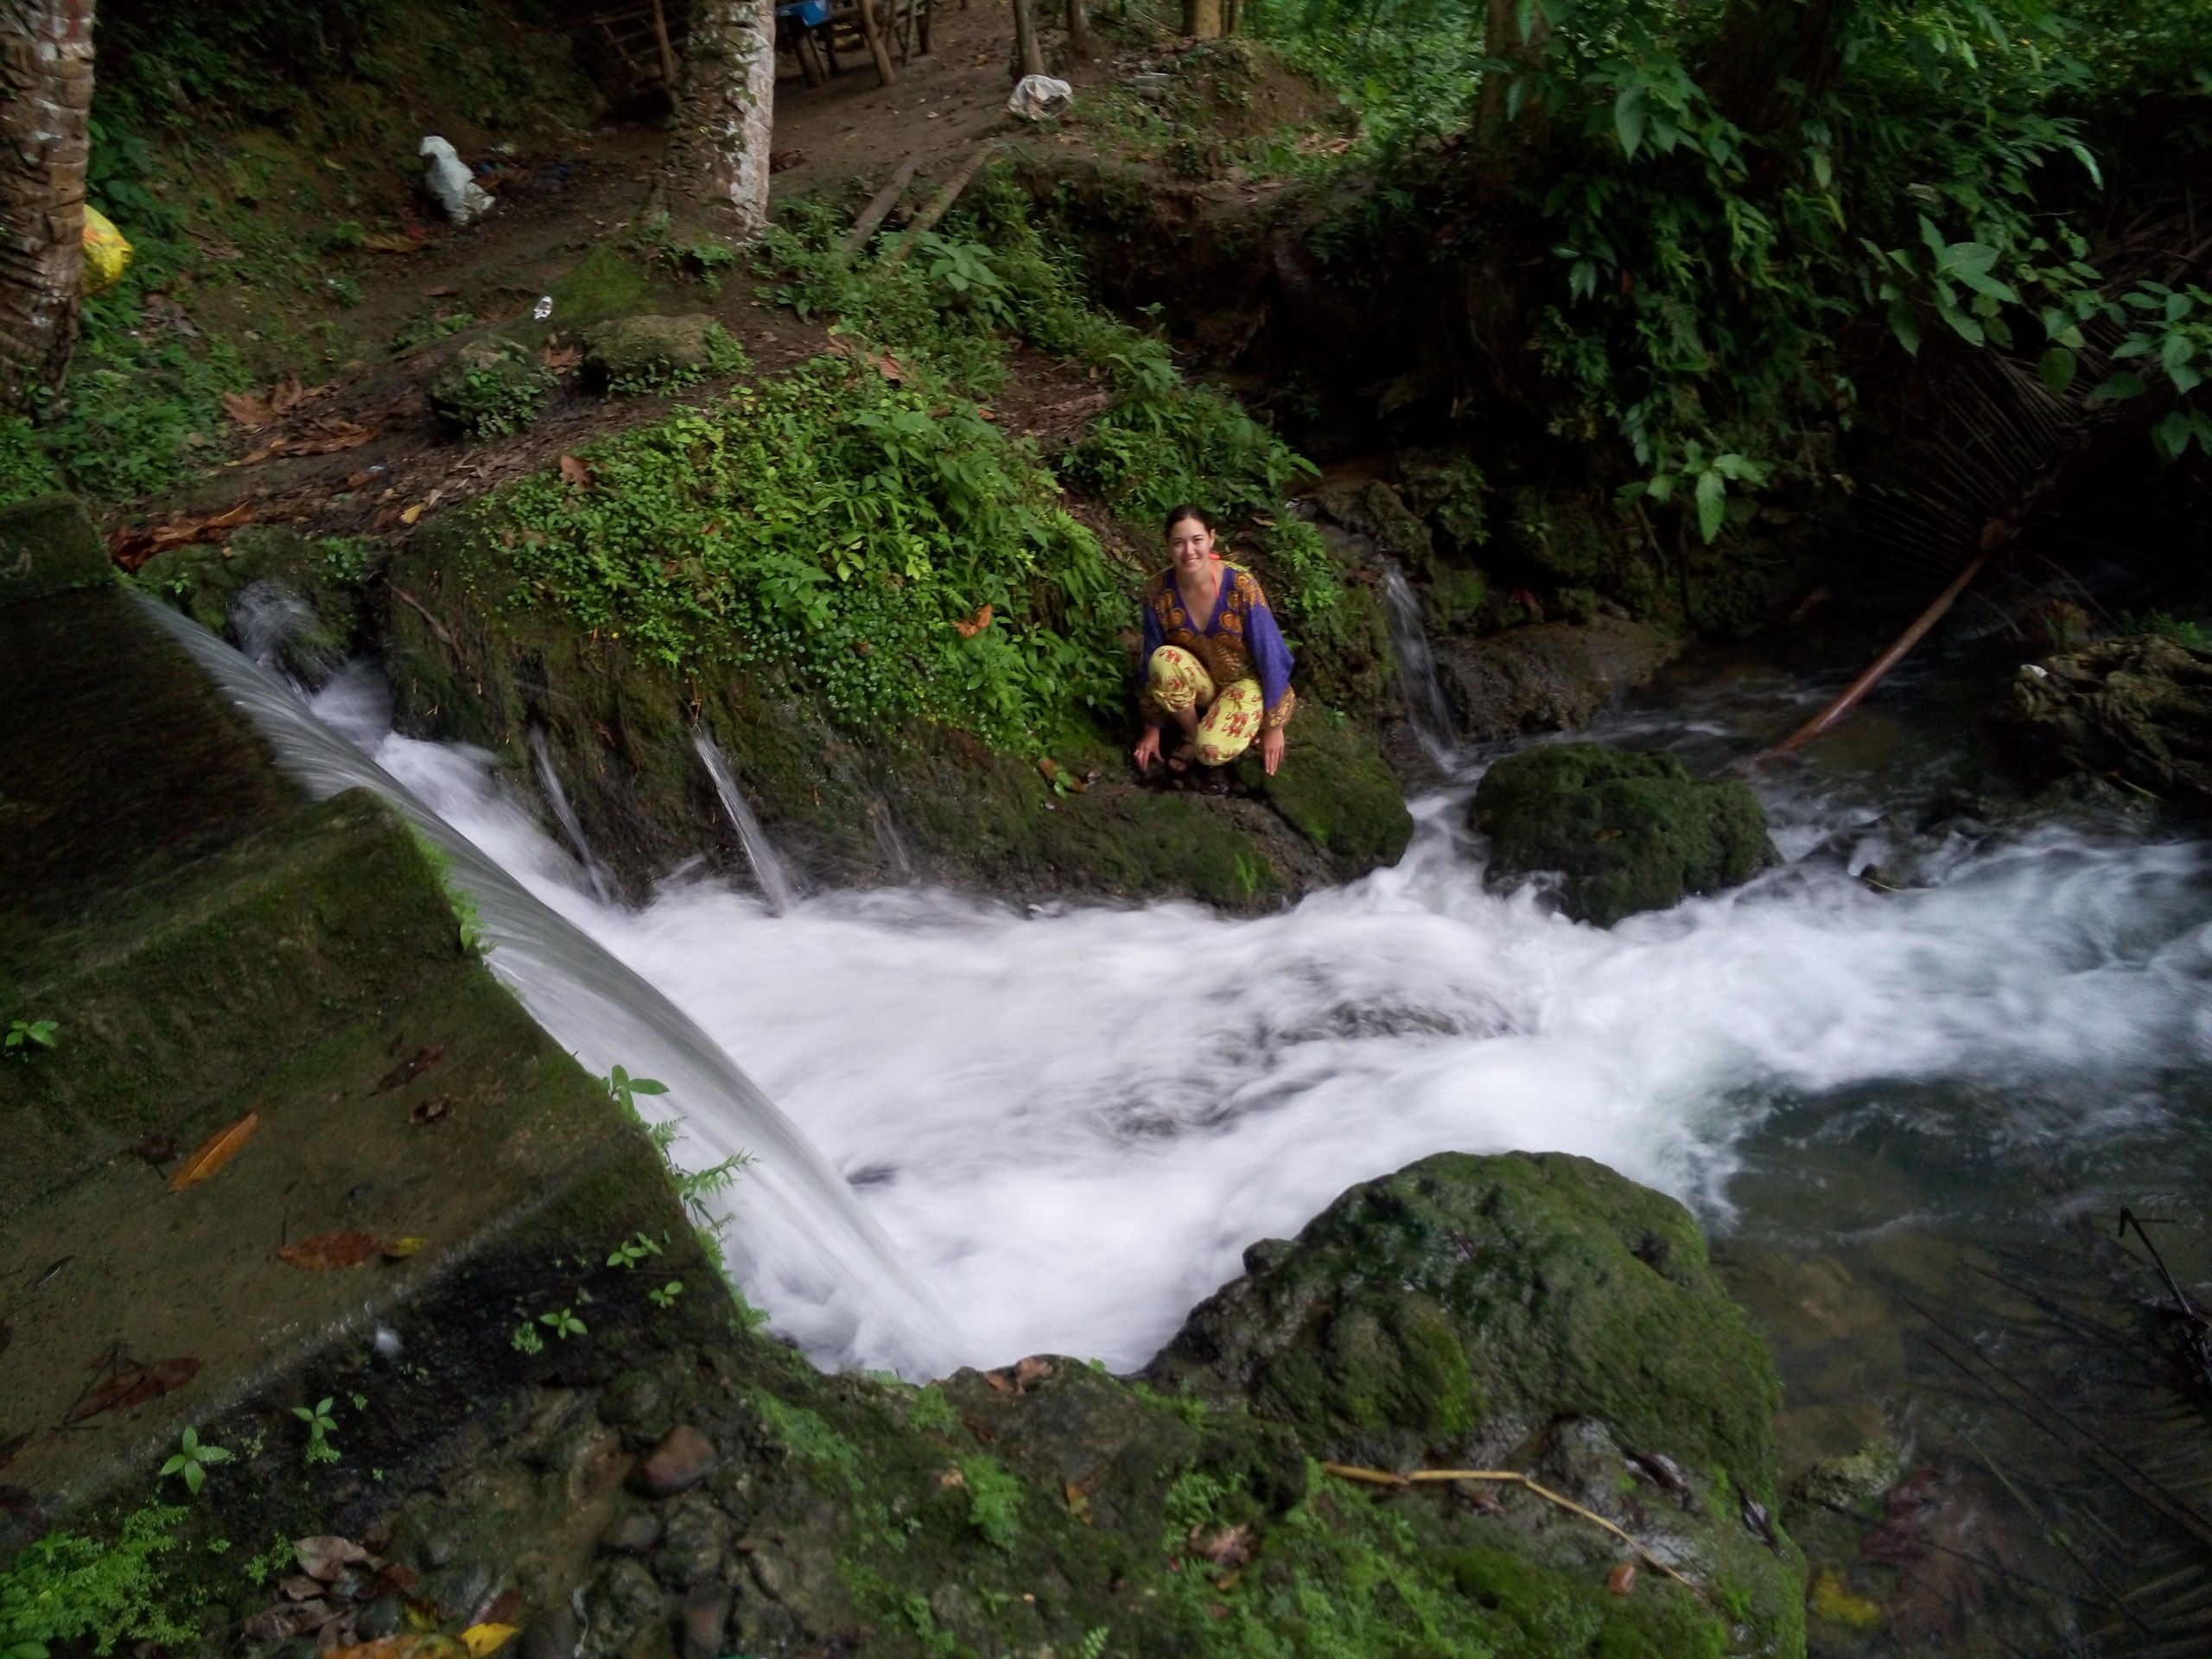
(1741, 204)
(67, 1586)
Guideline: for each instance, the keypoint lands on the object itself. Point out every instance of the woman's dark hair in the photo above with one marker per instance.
(1177, 515)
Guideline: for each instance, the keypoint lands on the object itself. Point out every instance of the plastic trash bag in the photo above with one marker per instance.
(1039, 96)
(462, 197)
(107, 252)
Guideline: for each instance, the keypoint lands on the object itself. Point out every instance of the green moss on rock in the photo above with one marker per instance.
(1629, 831)
(631, 354)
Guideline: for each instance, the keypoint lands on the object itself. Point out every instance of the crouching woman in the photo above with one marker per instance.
(1215, 664)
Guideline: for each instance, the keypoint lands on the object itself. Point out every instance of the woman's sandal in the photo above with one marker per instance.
(1185, 754)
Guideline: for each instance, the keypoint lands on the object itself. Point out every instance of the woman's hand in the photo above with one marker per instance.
(1147, 749)
(1270, 748)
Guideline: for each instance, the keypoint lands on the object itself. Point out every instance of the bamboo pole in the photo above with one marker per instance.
(1855, 693)
(1030, 55)
(667, 51)
(881, 205)
(942, 202)
(885, 74)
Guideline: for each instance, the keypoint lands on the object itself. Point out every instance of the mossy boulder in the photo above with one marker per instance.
(648, 353)
(1446, 487)
(1552, 677)
(1628, 831)
(2139, 707)
(1334, 789)
(492, 387)
(284, 600)
(47, 545)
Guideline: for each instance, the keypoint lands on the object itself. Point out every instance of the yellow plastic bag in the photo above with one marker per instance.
(107, 252)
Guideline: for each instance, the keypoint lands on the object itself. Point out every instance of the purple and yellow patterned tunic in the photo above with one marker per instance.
(1240, 641)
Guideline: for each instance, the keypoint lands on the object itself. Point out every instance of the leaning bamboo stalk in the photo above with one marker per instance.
(667, 48)
(873, 31)
(1855, 693)
(942, 202)
(879, 205)
(1385, 1477)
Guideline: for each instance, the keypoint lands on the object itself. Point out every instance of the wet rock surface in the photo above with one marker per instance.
(2138, 709)
(1628, 832)
(1547, 677)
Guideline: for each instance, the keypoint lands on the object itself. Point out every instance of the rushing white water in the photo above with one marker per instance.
(602, 884)
(796, 1238)
(1417, 683)
(1071, 1122)
(778, 886)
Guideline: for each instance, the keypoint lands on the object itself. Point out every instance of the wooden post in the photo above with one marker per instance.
(880, 204)
(885, 74)
(809, 60)
(667, 51)
(1025, 40)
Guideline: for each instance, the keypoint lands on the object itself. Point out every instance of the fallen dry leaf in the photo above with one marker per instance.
(132, 548)
(285, 1621)
(782, 160)
(411, 1068)
(1232, 1547)
(952, 1477)
(334, 436)
(975, 625)
(299, 1587)
(1622, 1580)
(392, 241)
(431, 1111)
(134, 1385)
(327, 1252)
(424, 1645)
(400, 1249)
(325, 1555)
(410, 515)
(214, 1152)
(576, 470)
(561, 359)
(482, 1639)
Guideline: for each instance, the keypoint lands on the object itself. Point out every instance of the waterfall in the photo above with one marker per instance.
(1417, 683)
(602, 886)
(777, 885)
(796, 1238)
(264, 618)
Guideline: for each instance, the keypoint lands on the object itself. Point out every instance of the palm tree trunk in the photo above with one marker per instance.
(46, 95)
(1079, 37)
(1029, 57)
(726, 108)
(1202, 18)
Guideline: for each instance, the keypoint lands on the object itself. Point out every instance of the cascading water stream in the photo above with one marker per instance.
(796, 1238)
(776, 885)
(541, 753)
(1418, 685)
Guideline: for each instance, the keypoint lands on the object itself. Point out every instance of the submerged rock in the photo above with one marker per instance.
(2138, 708)
(1628, 831)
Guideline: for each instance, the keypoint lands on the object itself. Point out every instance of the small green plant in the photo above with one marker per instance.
(665, 1296)
(563, 1324)
(423, 330)
(1093, 1644)
(1195, 1500)
(526, 1340)
(632, 1250)
(994, 1501)
(321, 1424)
(26, 469)
(190, 1461)
(26, 1036)
(2180, 630)
(931, 1412)
(490, 388)
(273, 1562)
(67, 1587)
(623, 1090)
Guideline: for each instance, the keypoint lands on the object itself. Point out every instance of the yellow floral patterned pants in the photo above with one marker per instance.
(1177, 680)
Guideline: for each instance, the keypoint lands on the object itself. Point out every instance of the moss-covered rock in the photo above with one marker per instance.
(490, 387)
(281, 599)
(1549, 678)
(1629, 831)
(47, 545)
(649, 353)
(2139, 706)
(1446, 487)
(1334, 789)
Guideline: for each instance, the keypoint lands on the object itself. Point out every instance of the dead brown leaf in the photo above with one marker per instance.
(1232, 1547)
(392, 242)
(328, 1252)
(577, 472)
(286, 1620)
(1621, 1581)
(561, 359)
(214, 1152)
(782, 160)
(975, 625)
(131, 548)
(411, 1068)
(431, 1111)
(133, 1384)
(326, 1555)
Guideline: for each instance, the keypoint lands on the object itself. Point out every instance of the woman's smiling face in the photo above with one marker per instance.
(1190, 544)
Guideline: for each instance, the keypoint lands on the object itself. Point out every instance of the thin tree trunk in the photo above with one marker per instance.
(872, 29)
(1202, 18)
(1026, 52)
(668, 69)
(1079, 40)
(725, 110)
(1502, 40)
(46, 96)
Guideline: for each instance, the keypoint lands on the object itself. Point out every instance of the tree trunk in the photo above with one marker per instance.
(871, 31)
(46, 95)
(1502, 40)
(725, 110)
(1768, 61)
(1202, 18)
(1079, 39)
(1028, 57)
